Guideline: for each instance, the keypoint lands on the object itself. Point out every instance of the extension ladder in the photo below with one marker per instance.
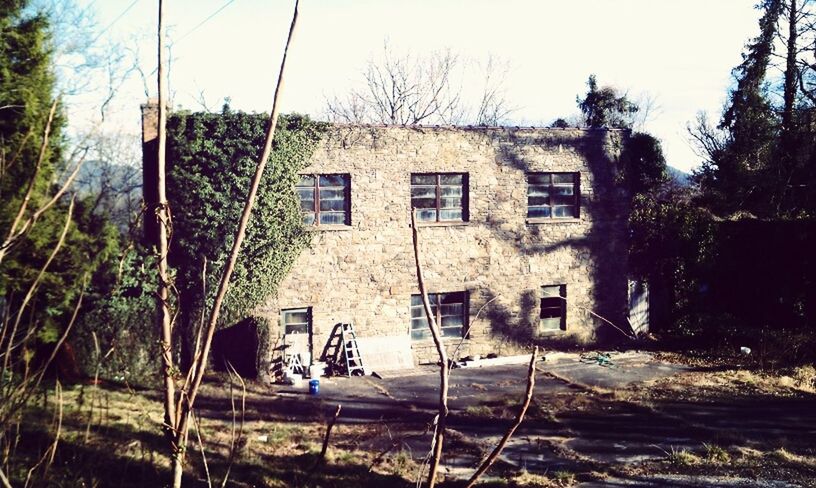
(351, 352)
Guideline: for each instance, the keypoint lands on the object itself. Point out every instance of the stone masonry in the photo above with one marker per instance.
(364, 273)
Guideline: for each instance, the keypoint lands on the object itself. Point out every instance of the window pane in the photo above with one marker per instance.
(538, 178)
(333, 218)
(308, 218)
(551, 291)
(550, 323)
(451, 191)
(297, 329)
(566, 211)
(563, 177)
(423, 202)
(306, 196)
(450, 202)
(538, 201)
(420, 334)
(423, 192)
(333, 180)
(538, 191)
(426, 215)
(448, 215)
(306, 180)
(563, 190)
(451, 179)
(332, 194)
(453, 309)
(423, 179)
(419, 324)
(417, 311)
(416, 300)
(538, 212)
(332, 205)
(301, 316)
(452, 332)
(452, 321)
(563, 200)
(550, 312)
(448, 298)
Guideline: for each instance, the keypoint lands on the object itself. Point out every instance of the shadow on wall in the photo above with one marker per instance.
(606, 208)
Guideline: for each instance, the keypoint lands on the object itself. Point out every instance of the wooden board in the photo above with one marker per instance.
(386, 353)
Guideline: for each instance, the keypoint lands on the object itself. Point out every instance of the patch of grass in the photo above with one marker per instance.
(478, 411)
(682, 457)
(716, 454)
(564, 478)
(785, 456)
(529, 480)
(401, 463)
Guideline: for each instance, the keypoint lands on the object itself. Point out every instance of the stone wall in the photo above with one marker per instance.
(364, 273)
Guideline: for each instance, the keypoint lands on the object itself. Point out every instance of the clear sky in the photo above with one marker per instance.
(680, 52)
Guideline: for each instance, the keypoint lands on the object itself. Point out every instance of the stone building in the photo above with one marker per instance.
(522, 233)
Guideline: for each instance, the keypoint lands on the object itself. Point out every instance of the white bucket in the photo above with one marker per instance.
(317, 370)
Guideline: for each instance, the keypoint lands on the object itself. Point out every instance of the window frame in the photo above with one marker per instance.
(438, 208)
(308, 323)
(437, 305)
(551, 186)
(315, 187)
(562, 299)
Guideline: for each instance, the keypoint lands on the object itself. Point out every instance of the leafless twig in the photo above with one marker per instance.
(439, 432)
(491, 458)
(326, 437)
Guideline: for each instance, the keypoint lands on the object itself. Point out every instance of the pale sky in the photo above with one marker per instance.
(680, 52)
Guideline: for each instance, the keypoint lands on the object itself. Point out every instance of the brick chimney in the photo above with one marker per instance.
(150, 164)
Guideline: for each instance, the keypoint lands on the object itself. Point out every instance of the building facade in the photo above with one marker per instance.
(521, 231)
(522, 238)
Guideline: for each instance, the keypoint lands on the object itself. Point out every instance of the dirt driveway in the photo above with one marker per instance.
(632, 420)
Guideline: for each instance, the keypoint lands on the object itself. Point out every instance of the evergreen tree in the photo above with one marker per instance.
(605, 107)
(27, 93)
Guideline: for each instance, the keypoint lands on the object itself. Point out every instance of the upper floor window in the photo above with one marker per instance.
(325, 199)
(439, 197)
(449, 310)
(552, 195)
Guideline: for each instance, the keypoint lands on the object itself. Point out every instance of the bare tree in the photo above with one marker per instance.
(179, 400)
(493, 108)
(407, 89)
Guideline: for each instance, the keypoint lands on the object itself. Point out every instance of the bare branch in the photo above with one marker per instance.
(439, 433)
(329, 427)
(488, 462)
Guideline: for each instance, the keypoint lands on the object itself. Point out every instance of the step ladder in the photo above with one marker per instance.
(351, 352)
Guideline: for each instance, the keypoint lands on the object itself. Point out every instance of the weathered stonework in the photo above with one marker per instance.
(364, 273)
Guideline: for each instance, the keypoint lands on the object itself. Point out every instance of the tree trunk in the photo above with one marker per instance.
(439, 433)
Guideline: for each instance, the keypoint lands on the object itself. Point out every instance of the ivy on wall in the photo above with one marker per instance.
(211, 159)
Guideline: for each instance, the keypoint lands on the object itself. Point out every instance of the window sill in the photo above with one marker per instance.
(442, 224)
(544, 334)
(553, 221)
(318, 228)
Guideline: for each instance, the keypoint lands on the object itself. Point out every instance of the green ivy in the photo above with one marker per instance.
(211, 159)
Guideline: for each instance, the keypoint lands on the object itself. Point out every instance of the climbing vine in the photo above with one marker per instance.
(211, 159)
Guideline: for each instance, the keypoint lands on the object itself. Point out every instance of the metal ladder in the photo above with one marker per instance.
(351, 352)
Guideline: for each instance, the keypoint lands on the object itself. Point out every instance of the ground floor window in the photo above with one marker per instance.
(296, 320)
(449, 310)
(553, 308)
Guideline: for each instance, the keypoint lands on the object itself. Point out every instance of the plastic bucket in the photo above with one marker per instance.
(314, 387)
